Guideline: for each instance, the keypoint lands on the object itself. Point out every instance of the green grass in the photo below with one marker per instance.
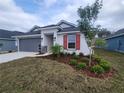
(117, 61)
(36, 75)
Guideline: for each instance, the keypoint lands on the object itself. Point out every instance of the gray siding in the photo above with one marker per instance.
(7, 45)
(29, 44)
(116, 43)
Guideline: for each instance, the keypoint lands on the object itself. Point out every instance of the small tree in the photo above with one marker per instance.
(88, 15)
(56, 50)
(100, 43)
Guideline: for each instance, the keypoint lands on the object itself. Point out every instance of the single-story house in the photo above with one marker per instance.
(116, 41)
(6, 42)
(63, 33)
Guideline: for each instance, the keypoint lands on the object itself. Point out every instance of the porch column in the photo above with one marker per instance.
(42, 43)
(17, 43)
(54, 38)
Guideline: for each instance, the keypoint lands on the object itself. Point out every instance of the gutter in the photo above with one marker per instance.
(114, 36)
(67, 32)
(35, 35)
(7, 39)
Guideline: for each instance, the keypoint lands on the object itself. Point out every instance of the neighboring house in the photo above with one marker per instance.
(63, 33)
(6, 42)
(116, 41)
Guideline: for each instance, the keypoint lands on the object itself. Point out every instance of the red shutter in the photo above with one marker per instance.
(65, 41)
(77, 41)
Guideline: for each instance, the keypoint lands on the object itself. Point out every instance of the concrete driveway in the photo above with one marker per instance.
(16, 55)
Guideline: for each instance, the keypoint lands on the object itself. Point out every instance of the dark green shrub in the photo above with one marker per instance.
(81, 54)
(73, 53)
(81, 66)
(61, 53)
(76, 57)
(97, 69)
(97, 58)
(68, 53)
(105, 64)
(73, 62)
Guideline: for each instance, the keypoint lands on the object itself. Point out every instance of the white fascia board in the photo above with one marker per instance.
(27, 36)
(68, 32)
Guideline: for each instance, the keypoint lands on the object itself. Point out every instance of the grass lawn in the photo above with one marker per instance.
(37, 75)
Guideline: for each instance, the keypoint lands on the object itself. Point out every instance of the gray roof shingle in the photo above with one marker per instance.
(70, 29)
(8, 34)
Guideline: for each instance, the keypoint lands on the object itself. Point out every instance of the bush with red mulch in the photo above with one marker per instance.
(96, 62)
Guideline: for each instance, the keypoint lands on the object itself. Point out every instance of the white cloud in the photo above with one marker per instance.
(70, 11)
(46, 3)
(13, 17)
(49, 2)
(111, 15)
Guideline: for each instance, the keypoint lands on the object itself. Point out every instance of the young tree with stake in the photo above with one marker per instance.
(88, 15)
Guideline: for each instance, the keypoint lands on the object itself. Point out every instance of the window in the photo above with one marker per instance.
(71, 41)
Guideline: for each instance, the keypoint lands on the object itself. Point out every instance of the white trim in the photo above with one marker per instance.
(27, 35)
(68, 32)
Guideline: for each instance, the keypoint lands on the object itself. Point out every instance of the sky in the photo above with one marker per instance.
(22, 15)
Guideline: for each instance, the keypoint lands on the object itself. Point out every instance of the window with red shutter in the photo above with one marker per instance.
(71, 41)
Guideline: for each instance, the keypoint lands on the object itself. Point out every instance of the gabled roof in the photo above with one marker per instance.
(49, 26)
(117, 34)
(8, 34)
(66, 22)
(69, 29)
(37, 30)
(34, 28)
(121, 31)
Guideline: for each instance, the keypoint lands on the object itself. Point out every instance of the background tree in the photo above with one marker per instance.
(88, 15)
(104, 33)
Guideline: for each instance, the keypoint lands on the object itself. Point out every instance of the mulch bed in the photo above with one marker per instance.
(66, 59)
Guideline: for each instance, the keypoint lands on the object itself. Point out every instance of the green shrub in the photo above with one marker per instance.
(97, 69)
(56, 49)
(100, 43)
(73, 53)
(81, 65)
(97, 58)
(73, 62)
(105, 64)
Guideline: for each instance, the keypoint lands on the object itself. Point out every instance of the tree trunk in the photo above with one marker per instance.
(90, 59)
(91, 51)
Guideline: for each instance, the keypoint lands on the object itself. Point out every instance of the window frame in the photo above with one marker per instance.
(68, 42)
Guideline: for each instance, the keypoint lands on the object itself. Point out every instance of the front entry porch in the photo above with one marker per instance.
(48, 42)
